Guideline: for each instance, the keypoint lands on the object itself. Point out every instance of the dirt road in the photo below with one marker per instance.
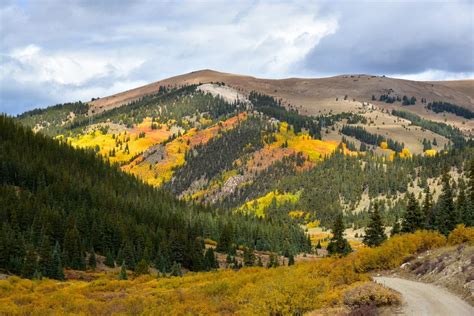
(426, 299)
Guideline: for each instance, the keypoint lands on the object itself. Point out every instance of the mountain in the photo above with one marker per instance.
(305, 92)
(59, 203)
(271, 148)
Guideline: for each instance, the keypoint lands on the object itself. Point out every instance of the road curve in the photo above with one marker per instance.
(426, 299)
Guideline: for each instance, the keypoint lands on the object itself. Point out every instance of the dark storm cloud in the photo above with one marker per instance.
(397, 38)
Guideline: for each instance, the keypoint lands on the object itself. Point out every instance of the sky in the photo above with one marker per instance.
(55, 51)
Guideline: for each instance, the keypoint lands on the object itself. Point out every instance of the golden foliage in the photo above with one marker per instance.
(370, 293)
(430, 152)
(461, 234)
(297, 289)
(392, 252)
(258, 206)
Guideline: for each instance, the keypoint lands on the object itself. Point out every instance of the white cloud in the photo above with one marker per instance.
(30, 63)
(59, 51)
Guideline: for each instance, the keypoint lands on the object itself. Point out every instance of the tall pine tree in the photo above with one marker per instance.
(338, 244)
(446, 216)
(375, 231)
(413, 218)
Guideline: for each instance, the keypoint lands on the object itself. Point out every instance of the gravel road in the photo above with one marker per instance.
(426, 299)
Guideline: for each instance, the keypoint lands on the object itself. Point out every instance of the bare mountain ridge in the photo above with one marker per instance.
(311, 95)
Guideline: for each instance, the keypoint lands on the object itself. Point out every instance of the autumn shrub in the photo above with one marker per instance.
(370, 293)
(295, 290)
(461, 234)
(393, 252)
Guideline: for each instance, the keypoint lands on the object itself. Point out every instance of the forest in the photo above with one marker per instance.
(448, 131)
(364, 136)
(440, 106)
(62, 205)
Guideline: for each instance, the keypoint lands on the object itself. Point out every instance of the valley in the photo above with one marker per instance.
(237, 176)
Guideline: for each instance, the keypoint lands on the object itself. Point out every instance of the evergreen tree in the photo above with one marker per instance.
(30, 263)
(92, 260)
(176, 269)
(109, 260)
(225, 239)
(128, 255)
(413, 218)
(468, 217)
(375, 232)
(338, 244)
(57, 266)
(123, 272)
(73, 253)
(318, 246)
(395, 228)
(273, 261)
(210, 261)
(291, 260)
(142, 268)
(45, 262)
(427, 208)
(249, 257)
(228, 260)
(446, 216)
(462, 204)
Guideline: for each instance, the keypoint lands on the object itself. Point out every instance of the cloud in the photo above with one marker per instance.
(398, 38)
(58, 51)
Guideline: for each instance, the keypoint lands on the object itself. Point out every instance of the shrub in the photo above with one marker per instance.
(370, 293)
(461, 234)
(393, 252)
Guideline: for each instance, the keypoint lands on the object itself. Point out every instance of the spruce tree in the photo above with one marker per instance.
(45, 262)
(225, 239)
(413, 218)
(427, 208)
(338, 244)
(318, 246)
(92, 263)
(73, 253)
(249, 257)
(210, 261)
(446, 217)
(30, 263)
(123, 272)
(395, 228)
(291, 260)
(176, 269)
(375, 232)
(468, 217)
(109, 260)
(57, 266)
(462, 204)
(142, 268)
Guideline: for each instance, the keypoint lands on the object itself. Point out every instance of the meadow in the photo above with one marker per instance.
(325, 283)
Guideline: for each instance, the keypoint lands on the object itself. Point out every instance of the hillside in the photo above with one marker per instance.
(64, 204)
(306, 93)
(252, 154)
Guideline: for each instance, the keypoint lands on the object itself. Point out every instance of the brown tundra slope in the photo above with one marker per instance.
(311, 95)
